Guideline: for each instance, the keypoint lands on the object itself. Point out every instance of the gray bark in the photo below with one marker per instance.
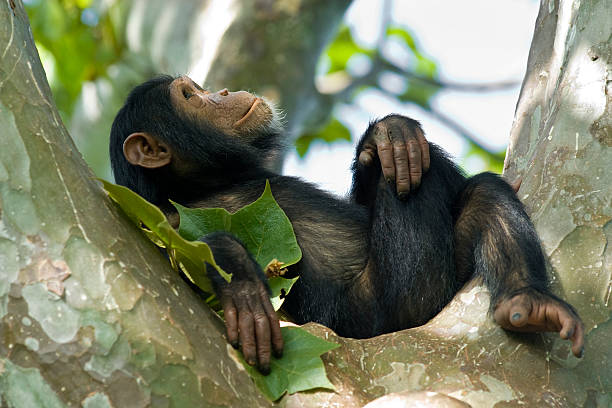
(90, 312)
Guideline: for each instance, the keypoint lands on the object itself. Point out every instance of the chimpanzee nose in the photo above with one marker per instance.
(224, 92)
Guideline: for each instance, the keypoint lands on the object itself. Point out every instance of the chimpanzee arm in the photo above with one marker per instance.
(250, 318)
(495, 239)
(396, 147)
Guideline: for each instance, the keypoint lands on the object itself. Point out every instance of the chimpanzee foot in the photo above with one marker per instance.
(533, 311)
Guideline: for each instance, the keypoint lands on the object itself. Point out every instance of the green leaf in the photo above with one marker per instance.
(494, 161)
(333, 131)
(425, 66)
(262, 226)
(342, 49)
(186, 255)
(300, 368)
(279, 288)
(404, 35)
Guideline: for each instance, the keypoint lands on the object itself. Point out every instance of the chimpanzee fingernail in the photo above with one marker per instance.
(388, 180)
(516, 316)
(250, 362)
(278, 354)
(265, 370)
(581, 354)
(570, 333)
(234, 345)
(403, 195)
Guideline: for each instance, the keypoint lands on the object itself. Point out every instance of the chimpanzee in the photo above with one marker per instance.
(390, 257)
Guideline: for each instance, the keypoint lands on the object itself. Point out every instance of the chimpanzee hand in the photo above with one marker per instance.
(250, 319)
(251, 322)
(401, 147)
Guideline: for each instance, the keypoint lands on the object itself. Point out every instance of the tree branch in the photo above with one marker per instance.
(457, 86)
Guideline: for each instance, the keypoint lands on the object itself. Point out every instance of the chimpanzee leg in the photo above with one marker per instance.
(496, 241)
(411, 241)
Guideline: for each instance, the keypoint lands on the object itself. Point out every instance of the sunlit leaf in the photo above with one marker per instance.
(341, 49)
(404, 35)
(300, 368)
(332, 132)
(279, 288)
(262, 226)
(190, 256)
(494, 161)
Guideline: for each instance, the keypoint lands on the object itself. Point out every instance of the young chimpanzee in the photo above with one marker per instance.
(413, 232)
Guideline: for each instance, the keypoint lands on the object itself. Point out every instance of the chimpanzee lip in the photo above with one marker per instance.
(249, 112)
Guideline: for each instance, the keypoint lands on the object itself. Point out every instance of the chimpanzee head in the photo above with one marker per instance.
(172, 137)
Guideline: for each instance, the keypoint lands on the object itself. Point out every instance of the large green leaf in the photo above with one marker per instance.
(262, 226)
(187, 255)
(299, 369)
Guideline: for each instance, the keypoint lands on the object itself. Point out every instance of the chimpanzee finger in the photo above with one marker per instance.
(231, 320)
(366, 157)
(262, 334)
(424, 145)
(415, 163)
(402, 170)
(385, 152)
(513, 314)
(519, 312)
(246, 330)
(577, 339)
(398, 133)
(275, 331)
(572, 329)
(567, 326)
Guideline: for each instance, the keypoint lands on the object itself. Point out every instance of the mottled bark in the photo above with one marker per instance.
(90, 311)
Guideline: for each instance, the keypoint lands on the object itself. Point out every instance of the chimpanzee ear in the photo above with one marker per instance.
(144, 150)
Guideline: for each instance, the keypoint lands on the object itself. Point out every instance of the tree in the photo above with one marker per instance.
(92, 314)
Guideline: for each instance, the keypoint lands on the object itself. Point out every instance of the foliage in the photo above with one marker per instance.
(77, 41)
(266, 232)
(187, 255)
(333, 131)
(262, 226)
(493, 161)
(299, 369)
(418, 73)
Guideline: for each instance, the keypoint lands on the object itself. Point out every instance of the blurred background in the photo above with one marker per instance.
(458, 71)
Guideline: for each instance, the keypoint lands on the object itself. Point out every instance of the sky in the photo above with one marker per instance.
(472, 41)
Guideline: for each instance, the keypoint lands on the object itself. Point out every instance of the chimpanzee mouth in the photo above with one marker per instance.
(249, 112)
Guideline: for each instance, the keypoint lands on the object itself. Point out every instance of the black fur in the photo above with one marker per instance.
(371, 264)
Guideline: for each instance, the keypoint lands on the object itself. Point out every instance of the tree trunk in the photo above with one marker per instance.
(91, 313)
(90, 310)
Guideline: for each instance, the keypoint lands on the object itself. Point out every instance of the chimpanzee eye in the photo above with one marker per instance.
(187, 94)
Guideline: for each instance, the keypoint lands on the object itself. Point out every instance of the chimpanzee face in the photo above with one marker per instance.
(233, 113)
